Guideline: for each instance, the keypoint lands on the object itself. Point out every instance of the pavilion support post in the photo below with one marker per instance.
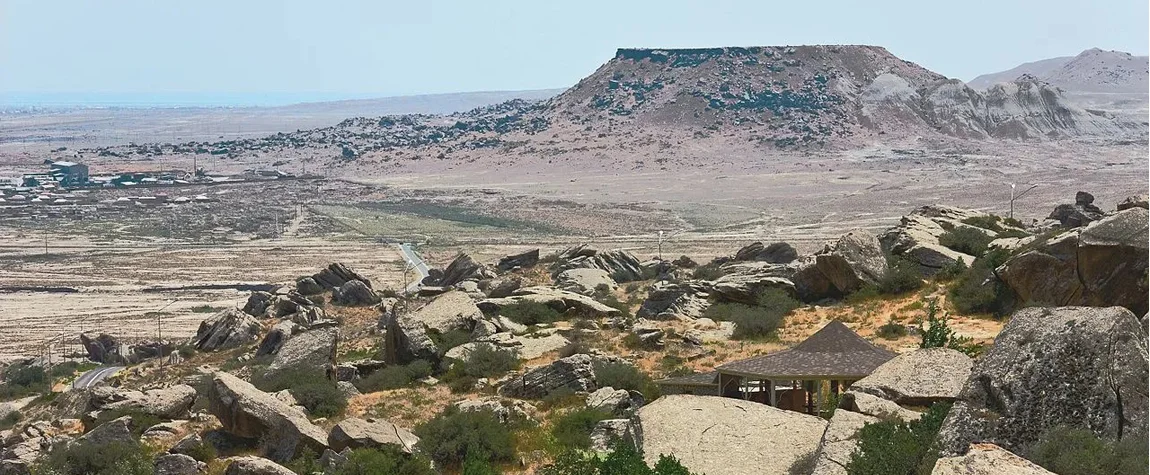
(771, 398)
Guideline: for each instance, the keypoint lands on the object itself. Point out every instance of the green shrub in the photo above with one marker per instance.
(625, 376)
(1013, 222)
(116, 458)
(951, 271)
(484, 361)
(388, 459)
(395, 377)
(22, 380)
(306, 461)
(892, 447)
(452, 435)
(891, 330)
(474, 465)
(708, 271)
(865, 293)
(966, 240)
(205, 309)
(624, 459)
(613, 302)
(527, 312)
(755, 321)
(936, 333)
(1069, 451)
(65, 369)
(449, 339)
(186, 351)
(989, 222)
(573, 429)
(10, 419)
(203, 451)
(902, 276)
(141, 421)
(977, 290)
(319, 395)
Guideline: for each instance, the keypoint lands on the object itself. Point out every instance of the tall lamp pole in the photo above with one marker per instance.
(1014, 196)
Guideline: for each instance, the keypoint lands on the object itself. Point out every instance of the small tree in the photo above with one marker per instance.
(936, 333)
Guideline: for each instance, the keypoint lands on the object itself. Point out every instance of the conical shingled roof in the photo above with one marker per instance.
(833, 352)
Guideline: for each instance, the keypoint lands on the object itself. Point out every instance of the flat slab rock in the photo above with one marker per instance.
(449, 311)
(987, 459)
(919, 378)
(371, 433)
(724, 436)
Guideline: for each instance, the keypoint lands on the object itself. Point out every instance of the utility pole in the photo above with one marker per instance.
(1013, 196)
(660, 244)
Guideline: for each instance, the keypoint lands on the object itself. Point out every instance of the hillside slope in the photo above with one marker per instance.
(1093, 70)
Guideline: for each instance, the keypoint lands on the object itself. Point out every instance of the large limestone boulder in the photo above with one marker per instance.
(585, 281)
(462, 268)
(1073, 366)
(621, 265)
(839, 442)
(354, 293)
(746, 282)
(358, 433)
(227, 329)
(574, 373)
(258, 303)
(506, 410)
(669, 301)
(177, 464)
(775, 253)
(987, 459)
(276, 337)
(255, 466)
(519, 261)
(245, 411)
(560, 300)
(617, 402)
(1103, 264)
(312, 351)
(104, 349)
(725, 436)
(406, 340)
(1081, 213)
(449, 311)
(337, 274)
(916, 237)
(919, 378)
(854, 260)
(168, 403)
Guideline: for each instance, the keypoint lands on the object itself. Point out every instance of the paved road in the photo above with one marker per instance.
(94, 377)
(413, 259)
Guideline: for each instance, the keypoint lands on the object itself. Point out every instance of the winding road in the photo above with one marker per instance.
(415, 263)
(95, 376)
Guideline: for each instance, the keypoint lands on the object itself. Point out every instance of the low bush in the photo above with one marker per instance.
(530, 313)
(625, 376)
(977, 290)
(624, 459)
(613, 302)
(65, 369)
(116, 458)
(319, 395)
(388, 459)
(395, 377)
(865, 293)
(936, 333)
(453, 435)
(755, 321)
(203, 451)
(484, 361)
(22, 380)
(449, 339)
(10, 419)
(573, 429)
(708, 271)
(902, 276)
(891, 330)
(1069, 451)
(892, 447)
(951, 271)
(966, 240)
(141, 421)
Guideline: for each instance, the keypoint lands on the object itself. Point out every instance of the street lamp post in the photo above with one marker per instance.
(1014, 196)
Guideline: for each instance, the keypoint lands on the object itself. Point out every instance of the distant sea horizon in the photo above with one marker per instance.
(170, 100)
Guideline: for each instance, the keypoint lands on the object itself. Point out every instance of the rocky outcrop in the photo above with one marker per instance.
(617, 402)
(839, 442)
(1081, 213)
(312, 351)
(585, 281)
(168, 403)
(669, 301)
(448, 311)
(308, 286)
(501, 287)
(1102, 264)
(1134, 201)
(247, 412)
(519, 261)
(506, 410)
(607, 431)
(621, 265)
(276, 337)
(725, 436)
(987, 459)
(560, 300)
(337, 274)
(462, 268)
(104, 349)
(354, 293)
(258, 303)
(177, 464)
(918, 378)
(573, 373)
(916, 237)
(745, 283)
(856, 259)
(1073, 366)
(227, 329)
(406, 340)
(775, 253)
(358, 433)
(255, 466)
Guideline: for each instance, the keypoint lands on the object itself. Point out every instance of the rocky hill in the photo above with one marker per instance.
(1093, 70)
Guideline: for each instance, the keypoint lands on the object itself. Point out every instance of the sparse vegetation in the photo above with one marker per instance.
(573, 428)
(893, 447)
(936, 333)
(484, 361)
(205, 309)
(708, 271)
(625, 376)
(453, 435)
(22, 380)
(1070, 451)
(116, 458)
(902, 276)
(319, 395)
(755, 321)
(977, 290)
(10, 419)
(966, 240)
(527, 312)
(624, 459)
(891, 330)
(395, 377)
(387, 459)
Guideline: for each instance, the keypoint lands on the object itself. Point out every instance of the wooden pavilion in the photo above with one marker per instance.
(800, 378)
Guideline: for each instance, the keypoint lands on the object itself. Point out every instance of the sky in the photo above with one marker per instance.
(352, 49)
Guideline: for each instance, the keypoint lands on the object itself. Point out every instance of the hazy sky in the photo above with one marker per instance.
(379, 48)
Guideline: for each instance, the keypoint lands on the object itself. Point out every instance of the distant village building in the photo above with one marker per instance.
(69, 173)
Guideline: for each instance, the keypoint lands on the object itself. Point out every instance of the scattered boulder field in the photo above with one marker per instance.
(534, 338)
